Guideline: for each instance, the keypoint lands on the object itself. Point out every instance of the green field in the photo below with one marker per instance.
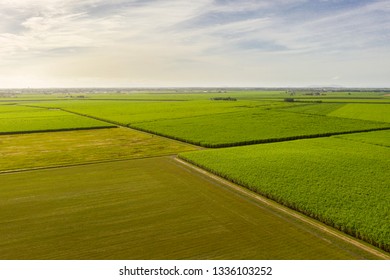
(118, 193)
(20, 119)
(381, 138)
(131, 112)
(253, 126)
(315, 108)
(371, 112)
(147, 209)
(342, 183)
(76, 147)
(222, 123)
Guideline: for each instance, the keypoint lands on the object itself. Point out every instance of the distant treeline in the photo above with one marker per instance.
(224, 98)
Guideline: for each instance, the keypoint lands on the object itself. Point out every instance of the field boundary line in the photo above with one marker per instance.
(115, 123)
(258, 141)
(362, 142)
(56, 130)
(129, 127)
(299, 216)
(221, 145)
(328, 116)
(38, 168)
(203, 115)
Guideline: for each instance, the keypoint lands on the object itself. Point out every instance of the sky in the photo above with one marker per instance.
(204, 43)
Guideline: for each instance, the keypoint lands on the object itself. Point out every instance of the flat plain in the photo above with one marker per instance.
(253, 126)
(211, 123)
(367, 111)
(117, 193)
(381, 138)
(147, 209)
(21, 119)
(339, 182)
(372, 112)
(26, 151)
(128, 112)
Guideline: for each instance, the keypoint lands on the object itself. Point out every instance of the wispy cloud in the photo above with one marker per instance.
(205, 42)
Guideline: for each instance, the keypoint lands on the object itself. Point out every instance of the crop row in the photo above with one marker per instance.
(54, 130)
(316, 109)
(381, 138)
(370, 112)
(342, 183)
(253, 126)
(76, 147)
(129, 112)
(142, 209)
(259, 141)
(17, 119)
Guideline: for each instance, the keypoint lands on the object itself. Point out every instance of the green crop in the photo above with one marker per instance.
(24, 151)
(151, 205)
(372, 112)
(339, 182)
(253, 126)
(381, 138)
(131, 112)
(146, 209)
(316, 109)
(17, 119)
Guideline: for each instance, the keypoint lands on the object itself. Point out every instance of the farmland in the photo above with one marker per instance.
(370, 112)
(131, 112)
(377, 112)
(221, 123)
(23, 151)
(146, 209)
(342, 183)
(253, 126)
(381, 138)
(18, 119)
(316, 109)
(117, 193)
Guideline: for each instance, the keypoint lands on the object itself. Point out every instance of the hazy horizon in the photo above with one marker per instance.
(205, 43)
(197, 88)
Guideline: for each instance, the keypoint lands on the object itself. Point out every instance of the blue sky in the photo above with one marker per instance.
(132, 43)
